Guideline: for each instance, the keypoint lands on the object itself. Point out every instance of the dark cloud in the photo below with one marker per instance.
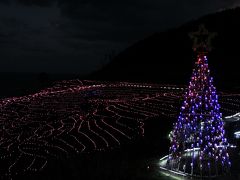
(34, 2)
(74, 35)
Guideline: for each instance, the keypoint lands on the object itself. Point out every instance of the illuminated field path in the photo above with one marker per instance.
(75, 116)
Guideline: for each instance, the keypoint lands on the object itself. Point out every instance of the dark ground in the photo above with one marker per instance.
(130, 161)
(136, 160)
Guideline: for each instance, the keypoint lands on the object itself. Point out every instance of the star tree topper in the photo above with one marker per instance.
(202, 39)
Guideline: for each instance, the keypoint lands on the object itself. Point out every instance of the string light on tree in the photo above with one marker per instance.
(199, 128)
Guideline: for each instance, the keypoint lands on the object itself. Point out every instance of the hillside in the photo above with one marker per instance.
(167, 57)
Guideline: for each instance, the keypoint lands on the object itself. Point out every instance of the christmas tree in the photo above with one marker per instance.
(198, 143)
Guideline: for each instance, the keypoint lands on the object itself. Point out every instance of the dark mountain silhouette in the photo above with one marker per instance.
(167, 57)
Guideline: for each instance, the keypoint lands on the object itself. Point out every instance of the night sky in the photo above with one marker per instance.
(73, 36)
